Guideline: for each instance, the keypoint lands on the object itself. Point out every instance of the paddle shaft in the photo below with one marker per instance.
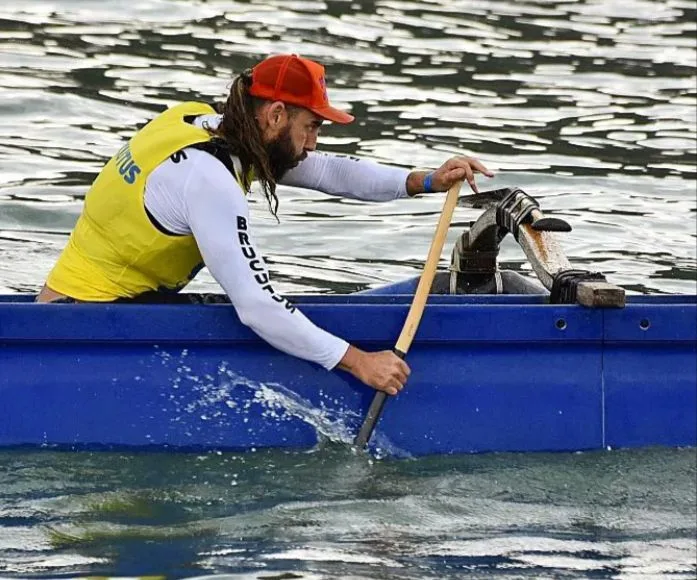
(416, 309)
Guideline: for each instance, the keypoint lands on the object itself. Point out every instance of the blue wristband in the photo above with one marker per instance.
(428, 186)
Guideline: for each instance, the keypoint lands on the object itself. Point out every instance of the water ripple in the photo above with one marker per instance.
(598, 91)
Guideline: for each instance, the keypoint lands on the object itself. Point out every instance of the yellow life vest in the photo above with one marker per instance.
(115, 251)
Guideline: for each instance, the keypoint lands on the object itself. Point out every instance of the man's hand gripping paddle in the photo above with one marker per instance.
(415, 311)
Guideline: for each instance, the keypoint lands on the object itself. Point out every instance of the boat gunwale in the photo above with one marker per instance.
(447, 319)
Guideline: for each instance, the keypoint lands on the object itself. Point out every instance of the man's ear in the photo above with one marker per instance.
(276, 115)
(272, 117)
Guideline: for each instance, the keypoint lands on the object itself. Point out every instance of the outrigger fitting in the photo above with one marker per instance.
(510, 210)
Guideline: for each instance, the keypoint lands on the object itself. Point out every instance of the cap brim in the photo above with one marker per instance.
(333, 115)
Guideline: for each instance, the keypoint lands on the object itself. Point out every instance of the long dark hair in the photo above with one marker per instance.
(240, 130)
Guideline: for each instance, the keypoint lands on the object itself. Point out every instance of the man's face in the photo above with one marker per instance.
(295, 139)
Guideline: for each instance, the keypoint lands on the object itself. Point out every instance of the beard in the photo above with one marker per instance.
(282, 156)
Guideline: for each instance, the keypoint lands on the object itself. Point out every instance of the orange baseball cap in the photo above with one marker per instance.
(296, 81)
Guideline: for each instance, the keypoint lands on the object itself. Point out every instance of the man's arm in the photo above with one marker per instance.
(351, 177)
(370, 181)
(218, 216)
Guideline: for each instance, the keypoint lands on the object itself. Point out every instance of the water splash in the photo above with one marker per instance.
(282, 404)
(228, 396)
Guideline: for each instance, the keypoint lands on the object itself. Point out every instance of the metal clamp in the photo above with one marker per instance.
(518, 208)
(565, 285)
(514, 210)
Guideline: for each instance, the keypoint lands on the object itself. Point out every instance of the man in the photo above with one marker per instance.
(173, 198)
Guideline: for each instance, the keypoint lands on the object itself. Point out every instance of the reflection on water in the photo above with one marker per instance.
(589, 106)
(331, 513)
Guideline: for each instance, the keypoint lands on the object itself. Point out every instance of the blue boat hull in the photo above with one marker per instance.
(490, 373)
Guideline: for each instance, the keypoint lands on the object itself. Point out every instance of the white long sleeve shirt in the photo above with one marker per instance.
(197, 195)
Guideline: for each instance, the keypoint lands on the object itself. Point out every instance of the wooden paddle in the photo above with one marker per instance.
(415, 310)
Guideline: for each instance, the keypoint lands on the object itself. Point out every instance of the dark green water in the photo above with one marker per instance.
(331, 513)
(589, 106)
